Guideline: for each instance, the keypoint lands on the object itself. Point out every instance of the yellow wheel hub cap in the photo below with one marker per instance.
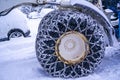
(72, 47)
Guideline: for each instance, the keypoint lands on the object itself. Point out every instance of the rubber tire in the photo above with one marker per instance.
(56, 23)
(14, 32)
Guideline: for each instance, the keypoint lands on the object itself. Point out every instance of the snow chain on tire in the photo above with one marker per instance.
(55, 24)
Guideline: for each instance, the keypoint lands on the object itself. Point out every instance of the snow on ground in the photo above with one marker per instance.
(18, 62)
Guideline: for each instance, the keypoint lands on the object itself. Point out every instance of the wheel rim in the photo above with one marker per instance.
(15, 34)
(71, 47)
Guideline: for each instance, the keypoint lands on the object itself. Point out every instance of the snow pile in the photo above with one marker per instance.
(15, 49)
(33, 24)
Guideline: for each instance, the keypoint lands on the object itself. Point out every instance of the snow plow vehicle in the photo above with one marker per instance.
(71, 39)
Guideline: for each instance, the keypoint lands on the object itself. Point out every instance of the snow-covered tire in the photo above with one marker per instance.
(15, 34)
(55, 24)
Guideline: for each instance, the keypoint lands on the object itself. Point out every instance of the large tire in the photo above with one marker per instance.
(55, 24)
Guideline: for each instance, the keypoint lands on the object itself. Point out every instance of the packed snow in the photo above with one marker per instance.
(18, 60)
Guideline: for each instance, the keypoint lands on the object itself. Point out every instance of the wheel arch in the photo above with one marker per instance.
(16, 29)
(102, 19)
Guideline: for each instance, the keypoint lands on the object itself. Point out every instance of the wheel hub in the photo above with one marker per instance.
(71, 47)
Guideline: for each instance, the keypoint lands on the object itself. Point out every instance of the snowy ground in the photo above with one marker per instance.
(18, 62)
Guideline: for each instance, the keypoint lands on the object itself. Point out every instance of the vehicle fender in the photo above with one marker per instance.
(97, 14)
